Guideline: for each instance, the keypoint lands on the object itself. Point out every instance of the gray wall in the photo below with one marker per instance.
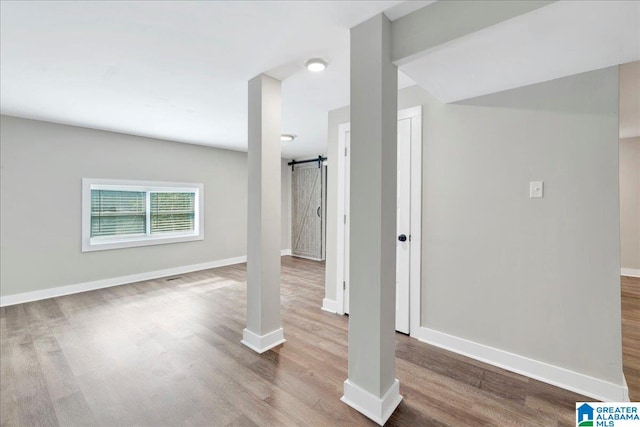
(630, 203)
(42, 165)
(535, 277)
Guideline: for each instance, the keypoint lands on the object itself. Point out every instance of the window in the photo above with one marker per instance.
(121, 214)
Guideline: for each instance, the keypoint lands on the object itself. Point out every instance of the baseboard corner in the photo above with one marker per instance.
(378, 409)
(262, 343)
(329, 305)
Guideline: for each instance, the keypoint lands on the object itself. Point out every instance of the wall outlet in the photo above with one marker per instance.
(536, 189)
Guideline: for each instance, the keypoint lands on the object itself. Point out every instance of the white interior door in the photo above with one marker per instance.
(403, 248)
(403, 242)
(306, 192)
(408, 251)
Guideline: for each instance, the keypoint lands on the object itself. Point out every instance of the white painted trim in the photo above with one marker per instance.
(340, 255)
(329, 305)
(379, 409)
(541, 371)
(114, 281)
(410, 112)
(631, 272)
(285, 252)
(323, 220)
(262, 343)
(415, 277)
(290, 204)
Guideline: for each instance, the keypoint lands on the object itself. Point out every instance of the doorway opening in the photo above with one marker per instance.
(409, 214)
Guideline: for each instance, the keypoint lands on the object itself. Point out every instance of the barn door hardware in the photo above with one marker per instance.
(293, 163)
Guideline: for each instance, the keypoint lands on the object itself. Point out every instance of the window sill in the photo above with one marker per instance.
(108, 244)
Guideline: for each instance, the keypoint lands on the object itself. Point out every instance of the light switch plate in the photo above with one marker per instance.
(536, 189)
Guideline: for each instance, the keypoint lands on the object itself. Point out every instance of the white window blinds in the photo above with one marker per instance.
(116, 213)
(119, 214)
(172, 212)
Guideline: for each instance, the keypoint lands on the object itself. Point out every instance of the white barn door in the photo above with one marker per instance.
(306, 192)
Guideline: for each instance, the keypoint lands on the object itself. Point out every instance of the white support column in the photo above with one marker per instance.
(372, 387)
(264, 324)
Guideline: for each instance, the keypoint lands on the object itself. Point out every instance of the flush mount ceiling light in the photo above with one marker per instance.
(287, 137)
(316, 64)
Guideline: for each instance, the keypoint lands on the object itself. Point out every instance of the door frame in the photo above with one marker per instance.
(341, 220)
(415, 114)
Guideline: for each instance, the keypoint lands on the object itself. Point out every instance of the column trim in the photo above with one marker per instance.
(263, 343)
(379, 409)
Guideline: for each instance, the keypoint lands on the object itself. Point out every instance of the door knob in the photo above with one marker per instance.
(402, 237)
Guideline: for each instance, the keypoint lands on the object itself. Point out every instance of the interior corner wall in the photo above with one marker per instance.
(42, 166)
(538, 278)
(630, 204)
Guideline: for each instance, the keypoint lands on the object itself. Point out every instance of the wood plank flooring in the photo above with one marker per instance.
(167, 352)
(631, 334)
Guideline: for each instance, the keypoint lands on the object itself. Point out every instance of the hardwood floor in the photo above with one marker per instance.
(167, 352)
(631, 334)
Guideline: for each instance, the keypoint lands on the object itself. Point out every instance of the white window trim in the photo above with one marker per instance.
(100, 244)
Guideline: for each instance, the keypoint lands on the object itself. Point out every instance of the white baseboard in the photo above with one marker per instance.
(117, 281)
(114, 281)
(631, 272)
(306, 257)
(554, 375)
(379, 409)
(262, 343)
(329, 305)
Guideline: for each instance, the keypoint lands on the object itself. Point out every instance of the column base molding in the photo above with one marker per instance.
(262, 343)
(379, 409)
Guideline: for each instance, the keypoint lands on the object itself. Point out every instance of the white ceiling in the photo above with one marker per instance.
(558, 40)
(179, 70)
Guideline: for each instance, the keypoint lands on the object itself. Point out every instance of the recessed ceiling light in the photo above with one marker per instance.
(316, 64)
(287, 137)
